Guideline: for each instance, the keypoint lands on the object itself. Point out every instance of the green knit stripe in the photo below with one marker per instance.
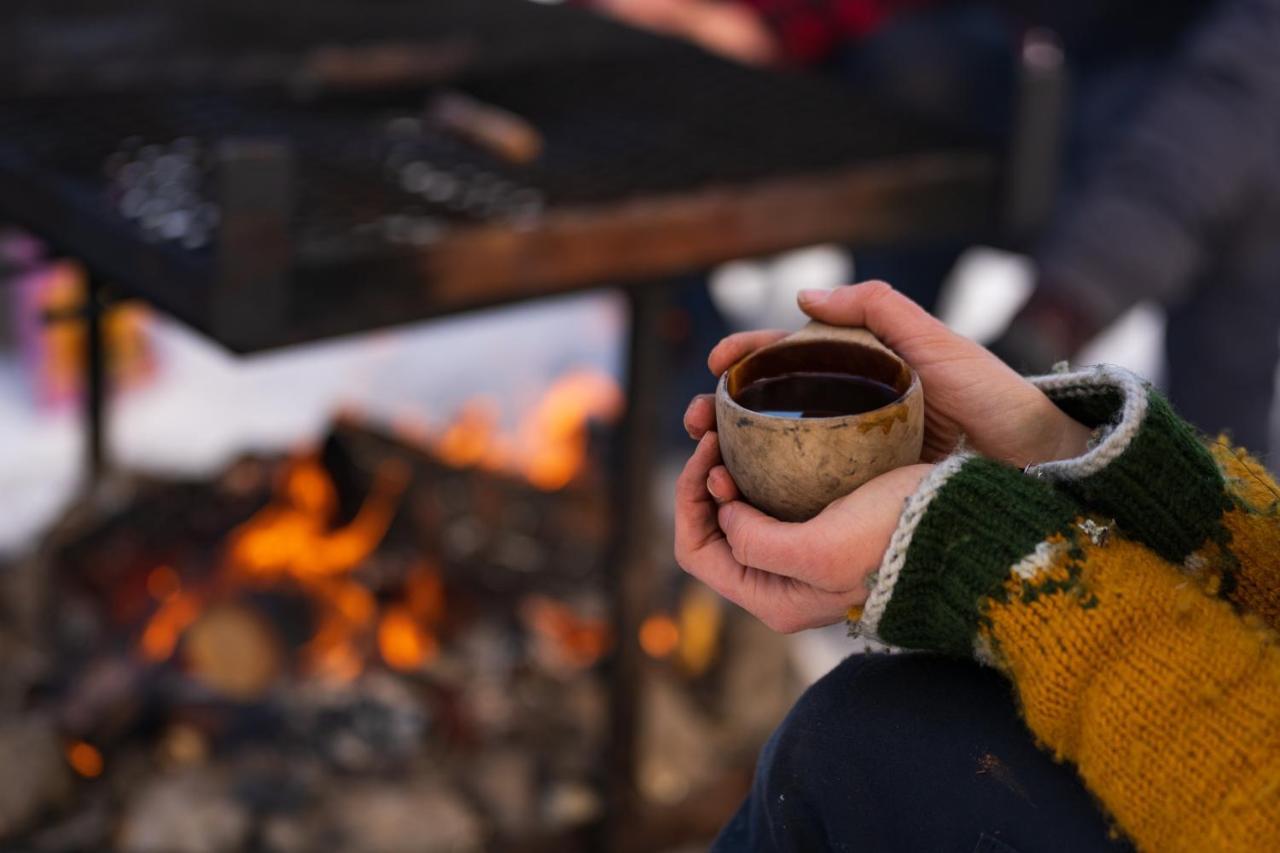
(984, 519)
(1159, 481)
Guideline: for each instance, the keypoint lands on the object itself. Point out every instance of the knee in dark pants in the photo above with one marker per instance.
(911, 752)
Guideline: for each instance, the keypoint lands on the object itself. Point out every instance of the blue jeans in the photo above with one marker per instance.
(910, 753)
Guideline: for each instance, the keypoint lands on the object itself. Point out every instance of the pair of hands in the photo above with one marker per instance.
(794, 576)
(729, 29)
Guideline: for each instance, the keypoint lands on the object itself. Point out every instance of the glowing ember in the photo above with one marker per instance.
(336, 661)
(163, 582)
(160, 637)
(424, 594)
(85, 759)
(402, 642)
(573, 640)
(336, 650)
(701, 620)
(659, 636)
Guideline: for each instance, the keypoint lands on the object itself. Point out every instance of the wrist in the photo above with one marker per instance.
(961, 536)
(1067, 438)
(1053, 435)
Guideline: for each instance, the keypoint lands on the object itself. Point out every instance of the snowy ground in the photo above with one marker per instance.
(207, 406)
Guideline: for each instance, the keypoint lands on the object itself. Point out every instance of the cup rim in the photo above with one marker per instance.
(722, 391)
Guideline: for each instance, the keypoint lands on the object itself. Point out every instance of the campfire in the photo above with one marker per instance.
(392, 640)
(294, 546)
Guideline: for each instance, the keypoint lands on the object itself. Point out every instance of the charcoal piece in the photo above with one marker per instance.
(188, 812)
(38, 778)
(374, 723)
(87, 828)
(423, 817)
(506, 783)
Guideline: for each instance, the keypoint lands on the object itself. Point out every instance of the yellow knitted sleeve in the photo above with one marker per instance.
(1166, 700)
(1204, 506)
(1244, 567)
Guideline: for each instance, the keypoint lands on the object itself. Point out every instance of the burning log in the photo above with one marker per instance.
(232, 650)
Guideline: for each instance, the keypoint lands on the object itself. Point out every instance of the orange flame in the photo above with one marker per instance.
(403, 643)
(469, 440)
(85, 759)
(347, 612)
(293, 537)
(577, 641)
(293, 540)
(163, 582)
(160, 636)
(554, 435)
(549, 447)
(659, 635)
(424, 594)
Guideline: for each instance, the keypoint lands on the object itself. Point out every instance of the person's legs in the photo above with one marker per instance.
(912, 752)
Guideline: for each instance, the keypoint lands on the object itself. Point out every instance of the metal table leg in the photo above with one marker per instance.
(95, 380)
(630, 571)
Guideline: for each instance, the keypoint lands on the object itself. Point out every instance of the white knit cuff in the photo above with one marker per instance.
(885, 578)
(1110, 440)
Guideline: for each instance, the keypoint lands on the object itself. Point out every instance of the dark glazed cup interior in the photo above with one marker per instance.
(820, 357)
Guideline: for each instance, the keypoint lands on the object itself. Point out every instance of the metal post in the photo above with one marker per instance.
(1031, 182)
(630, 572)
(95, 380)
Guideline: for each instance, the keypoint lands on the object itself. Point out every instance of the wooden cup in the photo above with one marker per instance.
(791, 468)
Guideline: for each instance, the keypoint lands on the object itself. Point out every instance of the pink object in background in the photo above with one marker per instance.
(52, 353)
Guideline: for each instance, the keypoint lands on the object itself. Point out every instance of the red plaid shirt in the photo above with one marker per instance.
(810, 30)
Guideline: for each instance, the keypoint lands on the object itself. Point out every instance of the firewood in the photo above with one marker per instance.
(233, 650)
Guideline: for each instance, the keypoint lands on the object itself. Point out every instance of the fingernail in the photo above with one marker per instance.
(813, 297)
(712, 489)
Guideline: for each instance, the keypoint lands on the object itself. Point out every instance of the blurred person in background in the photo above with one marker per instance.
(1170, 174)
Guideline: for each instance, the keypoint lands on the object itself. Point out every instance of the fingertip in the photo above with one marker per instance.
(699, 416)
(708, 445)
(812, 296)
(711, 488)
(714, 359)
(721, 484)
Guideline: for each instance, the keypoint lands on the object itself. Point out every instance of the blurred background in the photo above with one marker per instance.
(344, 347)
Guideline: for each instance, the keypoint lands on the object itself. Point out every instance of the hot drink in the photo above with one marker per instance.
(805, 394)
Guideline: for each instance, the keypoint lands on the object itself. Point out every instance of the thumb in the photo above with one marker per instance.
(874, 305)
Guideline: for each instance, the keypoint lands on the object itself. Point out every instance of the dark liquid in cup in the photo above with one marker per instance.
(815, 395)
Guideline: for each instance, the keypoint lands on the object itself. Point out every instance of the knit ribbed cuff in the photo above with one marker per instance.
(1147, 468)
(960, 536)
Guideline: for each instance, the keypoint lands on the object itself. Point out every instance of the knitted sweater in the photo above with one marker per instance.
(1132, 596)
